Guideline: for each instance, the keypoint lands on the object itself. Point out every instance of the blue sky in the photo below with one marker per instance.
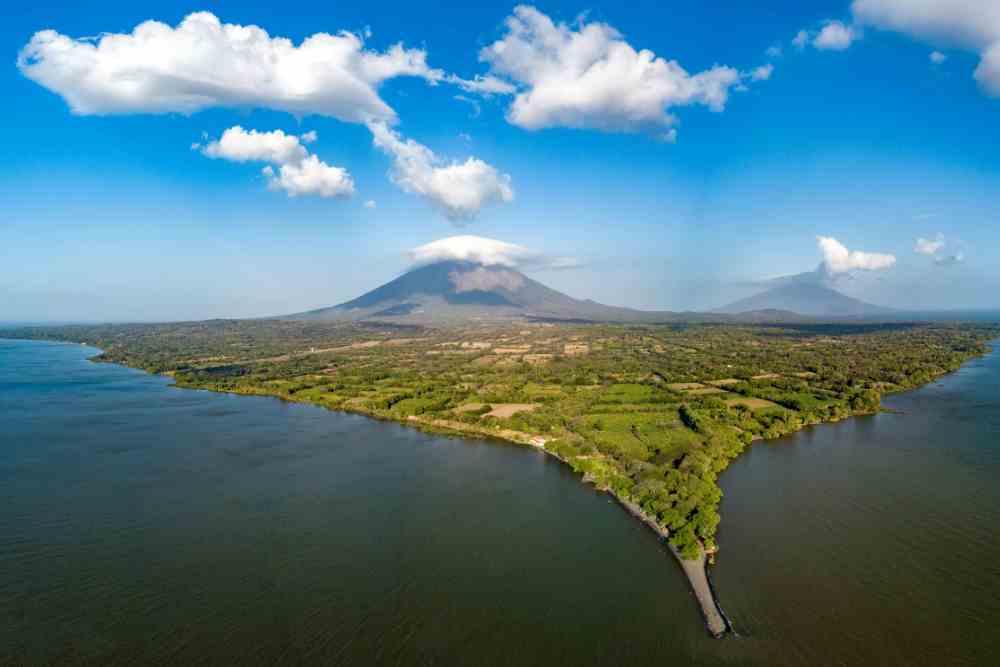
(110, 214)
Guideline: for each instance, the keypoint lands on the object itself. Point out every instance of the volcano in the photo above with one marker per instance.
(456, 290)
(808, 299)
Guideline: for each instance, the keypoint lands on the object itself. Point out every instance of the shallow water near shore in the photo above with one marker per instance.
(144, 523)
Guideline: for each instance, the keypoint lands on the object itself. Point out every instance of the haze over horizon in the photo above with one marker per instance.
(243, 162)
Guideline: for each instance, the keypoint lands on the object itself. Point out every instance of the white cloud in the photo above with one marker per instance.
(935, 248)
(928, 246)
(835, 36)
(458, 189)
(937, 57)
(239, 145)
(774, 51)
(762, 73)
(970, 24)
(311, 176)
(370, 204)
(988, 72)
(309, 137)
(588, 76)
(298, 172)
(973, 23)
(837, 259)
(203, 63)
(483, 85)
(487, 252)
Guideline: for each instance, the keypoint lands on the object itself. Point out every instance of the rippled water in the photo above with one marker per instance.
(141, 523)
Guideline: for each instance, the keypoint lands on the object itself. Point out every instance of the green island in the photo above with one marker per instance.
(652, 414)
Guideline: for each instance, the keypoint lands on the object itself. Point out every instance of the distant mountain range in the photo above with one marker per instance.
(456, 291)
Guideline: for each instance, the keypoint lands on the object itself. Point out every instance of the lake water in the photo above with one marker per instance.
(142, 523)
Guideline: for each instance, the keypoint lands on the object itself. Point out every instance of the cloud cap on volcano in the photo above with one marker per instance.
(838, 263)
(486, 252)
(838, 260)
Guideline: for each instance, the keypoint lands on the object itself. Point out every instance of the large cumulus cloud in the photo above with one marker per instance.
(203, 63)
(588, 76)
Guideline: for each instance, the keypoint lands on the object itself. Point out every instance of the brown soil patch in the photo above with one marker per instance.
(512, 350)
(537, 359)
(766, 376)
(705, 390)
(505, 410)
(727, 382)
(686, 386)
(752, 403)
(573, 349)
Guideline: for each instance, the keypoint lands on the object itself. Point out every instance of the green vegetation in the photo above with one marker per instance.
(652, 414)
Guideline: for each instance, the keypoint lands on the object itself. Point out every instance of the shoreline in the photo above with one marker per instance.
(717, 624)
(695, 570)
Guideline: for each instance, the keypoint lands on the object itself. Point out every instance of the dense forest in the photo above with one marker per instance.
(652, 414)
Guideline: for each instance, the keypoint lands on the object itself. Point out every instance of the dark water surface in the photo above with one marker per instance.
(145, 524)
(875, 540)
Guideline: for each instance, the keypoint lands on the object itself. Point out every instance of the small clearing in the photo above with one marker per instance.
(705, 390)
(536, 359)
(505, 410)
(752, 403)
(686, 386)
